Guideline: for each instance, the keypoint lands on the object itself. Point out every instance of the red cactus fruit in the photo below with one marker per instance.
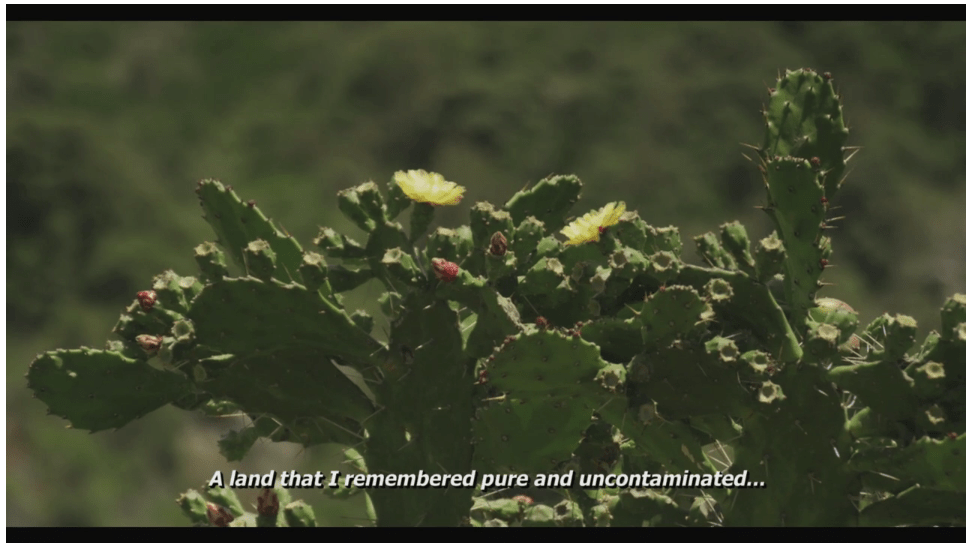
(268, 505)
(445, 270)
(218, 516)
(147, 299)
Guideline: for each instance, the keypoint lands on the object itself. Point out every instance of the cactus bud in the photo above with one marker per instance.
(218, 516)
(498, 244)
(147, 299)
(267, 503)
(526, 500)
(149, 344)
(541, 323)
(445, 270)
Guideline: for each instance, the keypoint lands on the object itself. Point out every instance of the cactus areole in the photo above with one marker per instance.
(544, 340)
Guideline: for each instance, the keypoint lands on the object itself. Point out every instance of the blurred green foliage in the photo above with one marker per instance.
(109, 125)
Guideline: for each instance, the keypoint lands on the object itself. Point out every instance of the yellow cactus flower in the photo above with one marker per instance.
(431, 188)
(610, 215)
(593, 224)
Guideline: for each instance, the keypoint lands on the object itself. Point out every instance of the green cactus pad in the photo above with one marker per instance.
(528, 233)
(362, 205)
(881, 385)
(549, 201)
(386, 235)
(260, 260)
(226, 498)
(527, 435)
(397, 200)
(668, 442)
(135, 322)
(237, 224)
(543, 277)
(663, 239)
(734, 239)
(343, 279)
(314, 272)
(588, 255)
(644, 507)
(795, 192)
(363, 320)
(425, 423)
(917, 506)
(934, 464)
(507, 509)
(500, 267)
(664, 266)
(620, 339)
(897, 334)
(796, 445)
(171, 295)
(338, 245)
(485, 220)
(839, 314)
(236, 444)
(399, 268)
(212, 261)
(452, 245)
(354, 464)
(627, 264)
(98, 390)
(544, 362)
(929, 379)
(193, 505)
(248, 316)
(497, 318)
(804, 120)
(687, 382)
(299, 515)
(953, 314)
(422, 216)
(632, 231)
(769, 257)
(709, 249)
(676, 312)
(752, 307)
(821, 343)
(292, 382)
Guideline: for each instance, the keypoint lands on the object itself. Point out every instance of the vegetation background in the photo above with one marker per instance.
(109, 125)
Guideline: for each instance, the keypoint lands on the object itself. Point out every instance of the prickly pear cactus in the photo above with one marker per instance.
(531, 343)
